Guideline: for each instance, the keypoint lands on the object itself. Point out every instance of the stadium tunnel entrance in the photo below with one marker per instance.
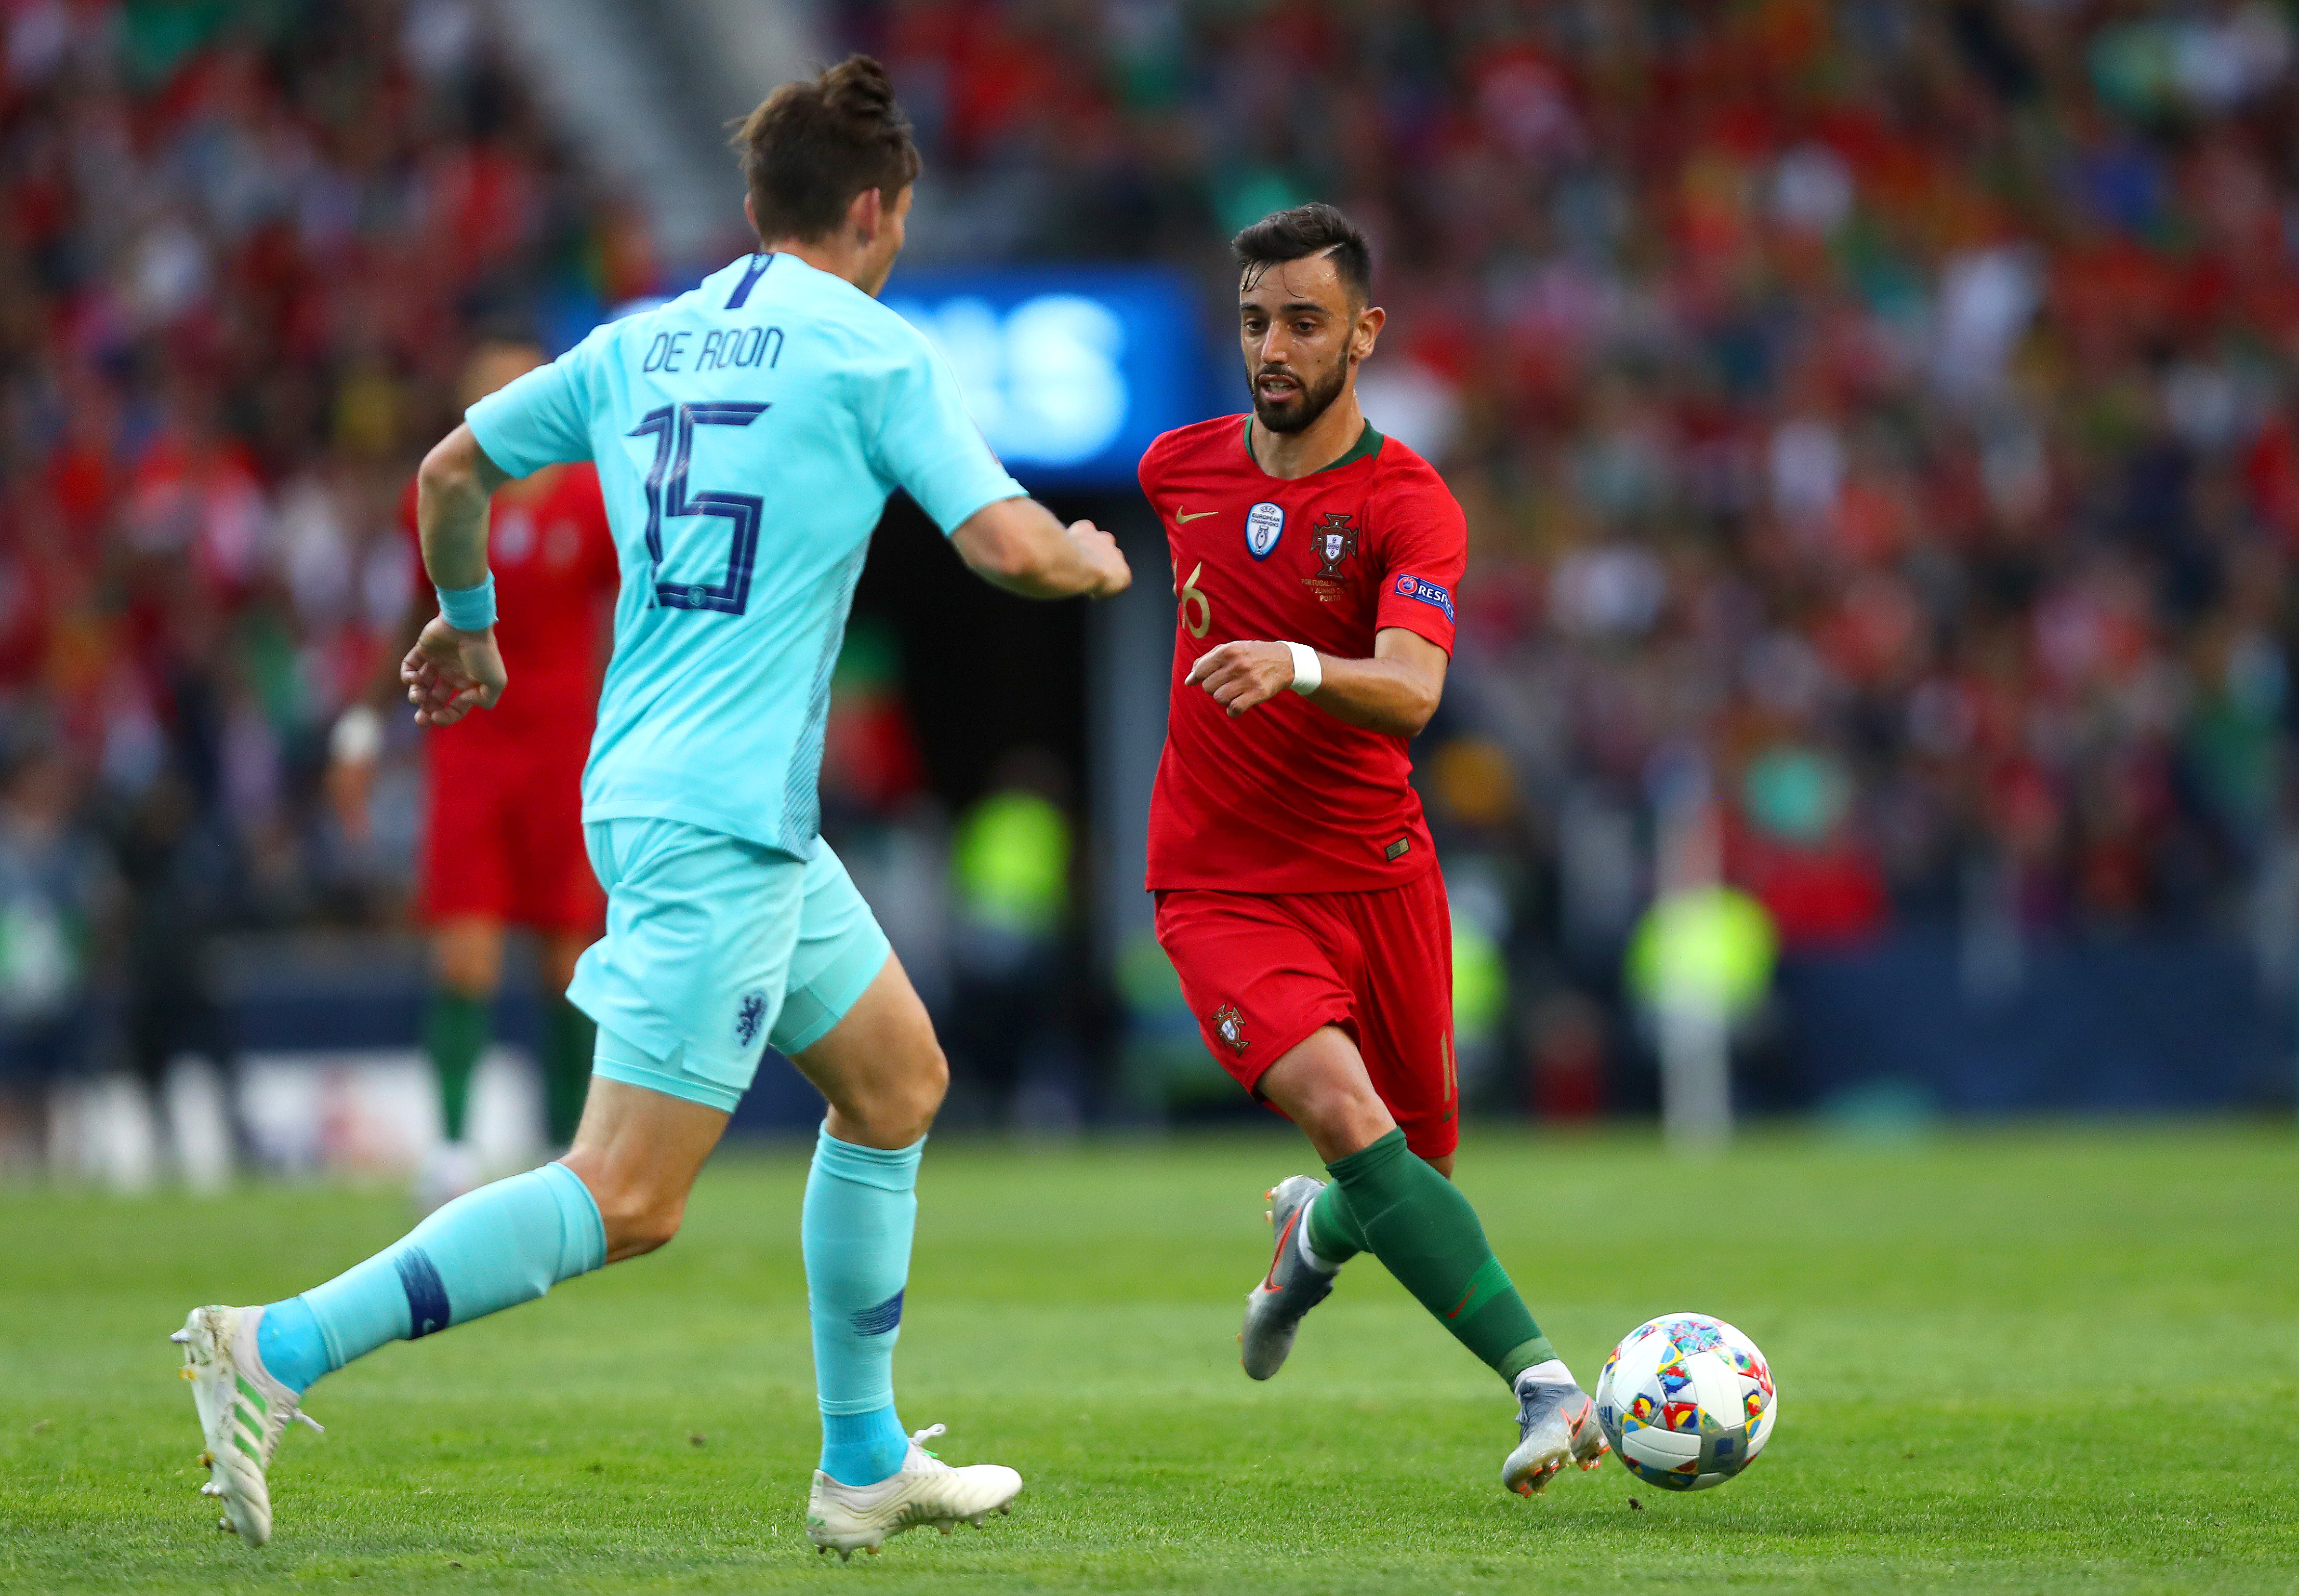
(984, 674)
(986, 779)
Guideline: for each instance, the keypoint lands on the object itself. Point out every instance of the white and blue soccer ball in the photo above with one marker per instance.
(1687, 1401)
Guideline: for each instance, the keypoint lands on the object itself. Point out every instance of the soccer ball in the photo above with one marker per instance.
(1687, 1401)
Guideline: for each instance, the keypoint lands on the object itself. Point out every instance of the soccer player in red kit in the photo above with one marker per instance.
(1298, 892)
(502, 835)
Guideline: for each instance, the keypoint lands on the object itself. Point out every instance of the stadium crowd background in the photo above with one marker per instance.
(1886, 408)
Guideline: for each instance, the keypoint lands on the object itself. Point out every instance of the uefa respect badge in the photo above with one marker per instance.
(1427, 592)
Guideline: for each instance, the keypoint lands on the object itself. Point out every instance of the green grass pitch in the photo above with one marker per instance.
(2009, 1360)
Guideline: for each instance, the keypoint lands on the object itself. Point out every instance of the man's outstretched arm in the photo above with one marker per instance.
(1395, 691)
(1018, 545)
(449, 673)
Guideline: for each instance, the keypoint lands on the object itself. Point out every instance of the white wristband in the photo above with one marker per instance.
(1308, 670)
(357, 738)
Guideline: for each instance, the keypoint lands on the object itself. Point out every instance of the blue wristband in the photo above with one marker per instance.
(469, 608)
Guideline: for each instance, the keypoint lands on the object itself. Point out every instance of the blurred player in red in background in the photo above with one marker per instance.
(1298, 891)
(507, 850)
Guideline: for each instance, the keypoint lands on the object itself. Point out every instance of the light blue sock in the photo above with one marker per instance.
(287, 1339)
(861, 1449)
(494, 1248)
(862, 1208)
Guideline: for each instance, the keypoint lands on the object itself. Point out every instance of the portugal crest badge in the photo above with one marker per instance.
(1332, 542)
(1229, 1025)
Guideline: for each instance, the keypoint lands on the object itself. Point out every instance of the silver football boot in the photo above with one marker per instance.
(1557, 1425)
(1273, 1308)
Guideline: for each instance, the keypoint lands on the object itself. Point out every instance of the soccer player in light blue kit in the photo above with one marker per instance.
(747, 435)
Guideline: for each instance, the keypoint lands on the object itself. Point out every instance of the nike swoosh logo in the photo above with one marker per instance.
(1269, 1281)
(1185, 515)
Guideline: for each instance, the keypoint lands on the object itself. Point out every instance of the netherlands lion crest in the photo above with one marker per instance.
(1334, 542)
(1229, 1025)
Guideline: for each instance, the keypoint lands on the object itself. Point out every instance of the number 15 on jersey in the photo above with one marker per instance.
(672, 427)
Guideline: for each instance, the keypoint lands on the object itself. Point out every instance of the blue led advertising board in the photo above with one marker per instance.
(1070, 371)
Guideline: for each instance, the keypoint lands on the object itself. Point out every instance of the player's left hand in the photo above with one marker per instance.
(1241, 675)
(449, 673)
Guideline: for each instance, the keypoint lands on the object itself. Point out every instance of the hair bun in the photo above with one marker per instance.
(858, 87)
(814, 143)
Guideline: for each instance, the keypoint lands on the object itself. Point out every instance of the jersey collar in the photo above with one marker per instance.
(1367, 445)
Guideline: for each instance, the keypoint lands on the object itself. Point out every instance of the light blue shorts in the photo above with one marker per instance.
(715, 947)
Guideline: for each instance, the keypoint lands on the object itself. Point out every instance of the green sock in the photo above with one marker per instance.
(1425, 1233)
(1334, 1233)
(455, 1032)
(569, 1038)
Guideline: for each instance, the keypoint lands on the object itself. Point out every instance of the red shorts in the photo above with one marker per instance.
(503, 831)
(1262, 972)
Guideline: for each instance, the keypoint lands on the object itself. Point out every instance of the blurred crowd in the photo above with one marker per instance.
(1883, 410)
(1876, 417)
(244, 250)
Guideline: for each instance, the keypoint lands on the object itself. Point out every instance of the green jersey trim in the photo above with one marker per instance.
(1367, 445)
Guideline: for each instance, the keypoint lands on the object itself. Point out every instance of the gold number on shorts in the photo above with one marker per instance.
(1189, 590)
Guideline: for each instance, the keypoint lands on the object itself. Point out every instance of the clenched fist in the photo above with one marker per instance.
(1102, 554)
(449, 673)
(1241, 675)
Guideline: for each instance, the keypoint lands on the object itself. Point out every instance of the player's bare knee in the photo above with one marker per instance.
(1340, 1118)
(467, 959)
(637, 1212)
(930, 1083)
(465, 982)
(895, 1105)
(559, 955)
(638, 1221)
(653, 1228)
(899, 1110)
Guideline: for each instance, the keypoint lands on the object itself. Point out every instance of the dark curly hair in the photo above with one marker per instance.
(1306, 230)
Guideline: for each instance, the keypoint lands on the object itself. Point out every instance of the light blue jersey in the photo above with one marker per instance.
(747, 436)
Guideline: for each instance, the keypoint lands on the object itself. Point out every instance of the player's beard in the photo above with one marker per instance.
(1310, 401)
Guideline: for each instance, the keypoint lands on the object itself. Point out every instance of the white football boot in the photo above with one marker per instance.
(1291, 1287)
(925, 1490)
(243, 1412)
(1557, 1425)
(451, 1169)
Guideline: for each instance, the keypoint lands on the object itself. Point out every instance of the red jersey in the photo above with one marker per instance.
(556, 577)
(1286, 797)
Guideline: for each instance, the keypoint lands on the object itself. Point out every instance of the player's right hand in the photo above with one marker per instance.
(1102, 554)
(449, 673)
